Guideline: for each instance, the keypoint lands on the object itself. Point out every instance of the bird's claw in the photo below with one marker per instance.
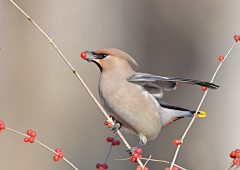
(115, 127)
(131, 150)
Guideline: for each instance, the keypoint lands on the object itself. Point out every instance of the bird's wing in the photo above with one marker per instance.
(156, 84)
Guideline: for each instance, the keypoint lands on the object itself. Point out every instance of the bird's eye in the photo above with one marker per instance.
(104, 55)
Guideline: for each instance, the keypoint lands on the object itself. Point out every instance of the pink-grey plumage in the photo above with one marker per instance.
(133, 98)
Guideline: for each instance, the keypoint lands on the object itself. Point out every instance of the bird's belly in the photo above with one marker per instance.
(138, 112)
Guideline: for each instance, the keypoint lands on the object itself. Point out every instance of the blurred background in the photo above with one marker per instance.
(170, 38)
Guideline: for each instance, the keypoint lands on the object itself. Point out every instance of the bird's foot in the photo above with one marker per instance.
(115, 127)
(131, 150)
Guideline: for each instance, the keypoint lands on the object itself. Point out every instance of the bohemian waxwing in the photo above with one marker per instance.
(133, 98)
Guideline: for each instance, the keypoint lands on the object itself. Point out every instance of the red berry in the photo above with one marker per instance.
(101, 168)
(237, 150)
(135, 155)
(237, 155)
(221, 58)
(118, 142)
(2, 126)
(29, 131)
(233, 154)
(109, 139)
(1, 122)
(133, 159)
(105, 166)
(167, 168)
(58, 150)
(83, 55)
(26, 139)
(113, 143)
(31, 139)
(177, 142)
(60, 155)
(105, 123)
(139, 167)
(236, 38)
(138, 150)
(33, 134)
(110, 125)
(98, 165)
(56, 158)
(175, 168)
(140, 156)
(146, 168)
(235, 161)
(204, 88)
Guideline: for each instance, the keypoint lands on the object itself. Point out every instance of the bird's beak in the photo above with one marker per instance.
(92, 53)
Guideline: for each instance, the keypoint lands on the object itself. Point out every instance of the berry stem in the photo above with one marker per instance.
(50, 40)
(200, 104)
(109, 150)
(230, 166)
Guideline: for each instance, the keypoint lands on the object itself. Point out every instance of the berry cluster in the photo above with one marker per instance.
(60, 155)
(174, 168)
(236, 38)
(101, 166)
(136, 155)
(177, 142)
(2, 126)
(140, 168)
(32, 135)
(235, 155)
(114, 142)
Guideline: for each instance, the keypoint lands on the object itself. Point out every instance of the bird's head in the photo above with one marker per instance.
(110, 58)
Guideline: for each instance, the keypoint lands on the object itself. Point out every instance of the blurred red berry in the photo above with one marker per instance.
(237, 150)
(109, 139)
(138, 150)
(135, 155)
(221, 58)
(106, 123)
(2, 126)
(145, 168)
(118, 142)
(234, 161)
(140, 156)
(60, 155)
(133, 159)
(233, 154)
(83, 55)
(110, 125)
(204, 88)
(236, 38)
(58, 150)
(237, 163)
(105, 166)
(175, 168)
(238, 155)
(177, 142)
(31, 139)
(1, 122)
(98, 165)
(29, 131)
(113, 143)
(26, 139)
(56, 158)
(139, 167)
(167, 168)
(33, 134)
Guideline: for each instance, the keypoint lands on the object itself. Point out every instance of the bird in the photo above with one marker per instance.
(133, 98)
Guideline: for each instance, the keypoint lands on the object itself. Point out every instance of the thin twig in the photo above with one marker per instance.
(40, 143)
(50, 40)
(147, 160)
(200, 104)
(154, 160)
(230, 166)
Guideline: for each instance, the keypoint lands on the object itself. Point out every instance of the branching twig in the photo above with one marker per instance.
(200, 104)
(42, 145)
(50, 40)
